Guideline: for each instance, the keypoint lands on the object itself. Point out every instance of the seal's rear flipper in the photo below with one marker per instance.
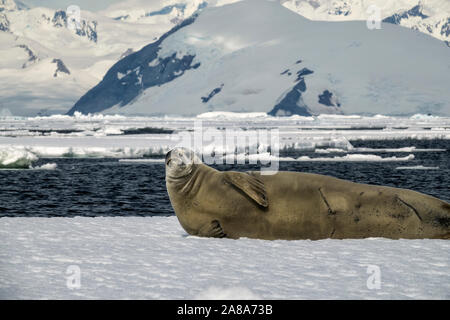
(248, 184)
(212, 229)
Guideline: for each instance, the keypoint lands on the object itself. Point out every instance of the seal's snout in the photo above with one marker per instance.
(180, 161)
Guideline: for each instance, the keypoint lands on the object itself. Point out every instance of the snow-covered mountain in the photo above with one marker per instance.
(49, 61)
(431, 17)
(47, 65)
(159, 11)
(289, 66)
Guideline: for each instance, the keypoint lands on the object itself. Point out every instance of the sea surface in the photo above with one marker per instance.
(108, 187)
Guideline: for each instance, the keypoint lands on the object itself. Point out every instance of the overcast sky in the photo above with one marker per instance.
(90, 5)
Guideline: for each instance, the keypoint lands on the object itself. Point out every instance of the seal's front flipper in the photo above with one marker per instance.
(212, 229)
(248, 184)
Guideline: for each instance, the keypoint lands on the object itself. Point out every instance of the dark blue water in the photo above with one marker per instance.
(107, 187)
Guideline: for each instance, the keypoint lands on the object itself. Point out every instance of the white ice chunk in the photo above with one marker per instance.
(47, 166)
(420, 167)
(16, 157)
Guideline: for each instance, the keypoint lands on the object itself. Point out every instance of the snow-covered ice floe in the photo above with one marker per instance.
(117, 136)
(20, 158)
(267, 157)
(153, 258)
(420, 167)
(358, 158)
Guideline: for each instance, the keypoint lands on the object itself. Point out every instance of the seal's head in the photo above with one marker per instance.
(180, 162)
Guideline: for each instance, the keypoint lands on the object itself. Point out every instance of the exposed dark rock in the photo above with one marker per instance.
(327, 99)
(292, 103)
(46, 132)
(60, 19)
(147, 130)
(83, 28)
(138, 71)
(303, 72)
(88, 30)
(445, 29)
(60, 67)
(31, 56)
(212, 94)
(176, 20)
(415, 11)
(341, 10)
(4, 23)
(122, 18)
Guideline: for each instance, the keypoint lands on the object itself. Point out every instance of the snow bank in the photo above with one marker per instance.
(153, 258)
(16, 157)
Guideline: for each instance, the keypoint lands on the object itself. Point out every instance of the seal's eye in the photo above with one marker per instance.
(168, 157)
